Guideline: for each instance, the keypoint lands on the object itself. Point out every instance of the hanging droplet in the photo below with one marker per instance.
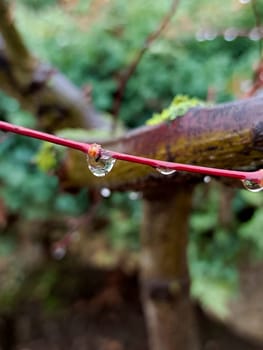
(207, 179)
(230, 34)
(100, 165)
(165, 171)
(255, 34)
(133, 196)
(105, 192)
(210, 34)
(252, 185)
(200, 35)
(58, 252)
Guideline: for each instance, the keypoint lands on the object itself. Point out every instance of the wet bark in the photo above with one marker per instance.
(224, 136)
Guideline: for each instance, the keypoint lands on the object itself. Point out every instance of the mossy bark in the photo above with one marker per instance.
(228, 136)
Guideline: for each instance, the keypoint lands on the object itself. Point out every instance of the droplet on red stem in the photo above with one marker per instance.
(252, 185)
(165, 171)
(100, 162)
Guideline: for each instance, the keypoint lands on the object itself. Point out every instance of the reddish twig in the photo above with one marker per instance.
(258, 23)
(257, 80)
(122, 83)
(96, 151)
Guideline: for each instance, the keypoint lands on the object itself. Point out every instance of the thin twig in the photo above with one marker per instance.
(258, 21)
(96, 151)
(123, 81)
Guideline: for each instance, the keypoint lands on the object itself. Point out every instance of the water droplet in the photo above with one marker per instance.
(166, 171)
(255, 34)
(200, 35)
(210, 34)
(105, 192)
(101, 166)
(230, 34)
(252, 185)
(207, 179)
(59, 252)
(133, 196)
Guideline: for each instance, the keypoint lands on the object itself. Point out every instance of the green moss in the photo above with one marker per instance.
(180, 105)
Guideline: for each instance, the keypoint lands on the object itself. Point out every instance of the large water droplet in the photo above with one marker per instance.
(101, 166)
(165, 171)
(252, 185)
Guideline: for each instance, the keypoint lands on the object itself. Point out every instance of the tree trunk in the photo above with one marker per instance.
(164, 277)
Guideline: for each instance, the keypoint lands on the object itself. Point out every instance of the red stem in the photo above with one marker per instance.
(242, 175)
(84, 147)
(80, 146)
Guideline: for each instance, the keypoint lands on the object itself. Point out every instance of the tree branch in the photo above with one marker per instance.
(257, 22)
(123, 81)
(38, 87)
(16, 48)
(227, 136)
(164, 274)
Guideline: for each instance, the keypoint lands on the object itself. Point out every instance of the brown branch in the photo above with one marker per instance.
(126, 75)
(163, 258)
(228, 136)
(16, 48)
(38, 87)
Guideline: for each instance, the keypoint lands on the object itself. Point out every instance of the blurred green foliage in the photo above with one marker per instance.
(96, 53)
(26, 190)
(215, 247)
(93, 47)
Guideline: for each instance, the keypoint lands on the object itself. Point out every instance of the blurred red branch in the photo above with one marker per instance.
(258, 22)
(257, 80)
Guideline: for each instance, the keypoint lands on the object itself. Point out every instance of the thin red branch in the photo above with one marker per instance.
(123, 81)
(80, 146)
(258, 23)
(87, 148)
(257, 80)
